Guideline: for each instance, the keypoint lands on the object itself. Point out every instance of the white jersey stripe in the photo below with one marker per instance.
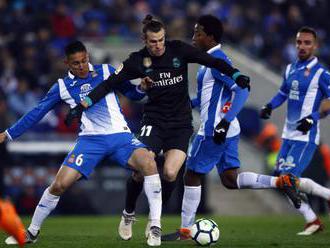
(289, 130)
(309, 100)
(87, 125)
(64, 93)
(106, 72)
(218, 109)
(287, 71)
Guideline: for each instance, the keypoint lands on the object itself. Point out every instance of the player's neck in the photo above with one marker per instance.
(306, 59)
(211, 45)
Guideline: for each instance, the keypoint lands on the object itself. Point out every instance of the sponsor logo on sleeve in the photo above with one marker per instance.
(119, 68)
(176, 63)
(147, 62)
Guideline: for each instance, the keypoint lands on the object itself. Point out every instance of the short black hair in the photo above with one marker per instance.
(212, 26)
(309, 30)
(151, 24)
(74, 47)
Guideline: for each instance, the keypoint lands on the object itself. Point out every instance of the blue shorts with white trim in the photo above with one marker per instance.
(91, 149)
(294, 157)
(204, 154)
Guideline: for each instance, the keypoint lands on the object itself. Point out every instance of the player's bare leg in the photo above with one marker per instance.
(143, 161)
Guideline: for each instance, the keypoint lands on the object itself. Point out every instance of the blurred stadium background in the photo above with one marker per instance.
(259, 36)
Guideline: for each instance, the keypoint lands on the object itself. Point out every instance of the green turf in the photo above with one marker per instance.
(101, 231)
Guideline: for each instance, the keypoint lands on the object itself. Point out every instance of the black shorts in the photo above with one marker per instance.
(159, 138)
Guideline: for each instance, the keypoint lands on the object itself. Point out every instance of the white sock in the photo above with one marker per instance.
(47, 203)
(308, 213)
(308, 186)
(125, 213)
(251, 180)
(153, 190)
(190, 202)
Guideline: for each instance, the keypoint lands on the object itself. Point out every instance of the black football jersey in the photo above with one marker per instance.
(168, 99)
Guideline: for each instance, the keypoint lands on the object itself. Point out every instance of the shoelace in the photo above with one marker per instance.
(29, 237)
(128, 219)
(156, 231)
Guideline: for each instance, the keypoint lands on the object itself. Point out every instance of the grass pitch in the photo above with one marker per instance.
(235, 232)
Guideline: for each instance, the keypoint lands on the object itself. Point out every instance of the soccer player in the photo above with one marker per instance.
(10, 222)
(216, 143)
(305, 84)
(104, 134)
(167, 114)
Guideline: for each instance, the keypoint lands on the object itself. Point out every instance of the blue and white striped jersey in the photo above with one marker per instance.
(214, 95)
(102, 118)
(305, 85)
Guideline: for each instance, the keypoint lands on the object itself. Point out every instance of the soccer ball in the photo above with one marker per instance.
(205, 232)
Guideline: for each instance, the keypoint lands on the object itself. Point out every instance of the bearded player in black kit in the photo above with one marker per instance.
(167, 120)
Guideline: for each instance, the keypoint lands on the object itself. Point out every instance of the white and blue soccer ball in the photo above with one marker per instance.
(205, 232)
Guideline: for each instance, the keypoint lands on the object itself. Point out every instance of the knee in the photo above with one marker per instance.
(170, 174)
(149, 164)
(58, 187)
(230, 182)
(137, 177)
(192, 179)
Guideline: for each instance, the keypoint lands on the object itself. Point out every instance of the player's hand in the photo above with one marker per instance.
(74, 113)
(243, 81)
(146, 83)
(305, 124)
(3, 137)
(266, 112)
(220, 131)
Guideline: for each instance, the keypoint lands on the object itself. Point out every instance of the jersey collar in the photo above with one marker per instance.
(90, 66)
(308, 64)
(217, 47)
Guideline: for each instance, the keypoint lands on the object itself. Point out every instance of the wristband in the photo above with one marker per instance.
(236, 75)
(88, 101)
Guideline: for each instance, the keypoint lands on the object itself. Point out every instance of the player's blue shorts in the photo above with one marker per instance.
(91, 149)
(294, 157)
(205, 154)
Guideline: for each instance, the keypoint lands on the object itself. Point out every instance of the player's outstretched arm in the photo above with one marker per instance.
(35, 115)
(278, 100)
(195, 55)
(125, 72)
(241, 96)
(306, 123)
(220, 131)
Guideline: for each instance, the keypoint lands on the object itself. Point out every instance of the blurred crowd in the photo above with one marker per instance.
(34, 32)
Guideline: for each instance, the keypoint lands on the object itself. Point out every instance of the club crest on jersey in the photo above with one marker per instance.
(176, 63)
(294, 91)
(71, 159)
(147, 62)
(307, 72)
(85, 88)
(119, 68)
